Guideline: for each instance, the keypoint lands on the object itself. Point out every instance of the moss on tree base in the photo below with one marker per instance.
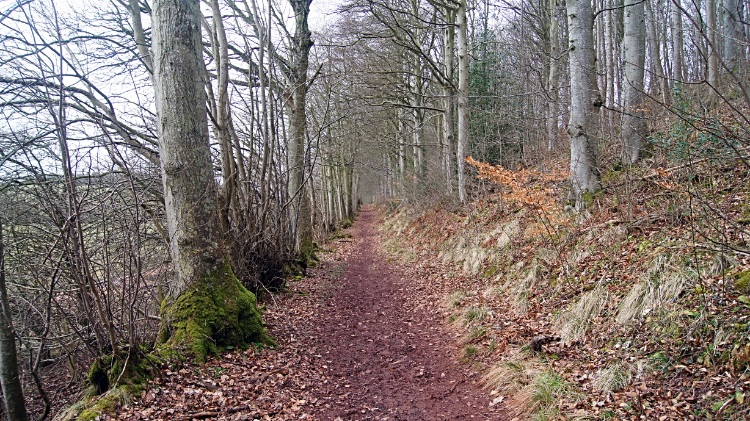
(213, 314)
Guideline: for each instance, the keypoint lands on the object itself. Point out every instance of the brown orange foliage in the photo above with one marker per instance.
(531, 189)
(524, 186)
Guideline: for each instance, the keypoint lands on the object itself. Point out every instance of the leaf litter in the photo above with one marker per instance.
(361, 338)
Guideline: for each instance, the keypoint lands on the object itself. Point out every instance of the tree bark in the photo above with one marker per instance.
(449, 102)
(713, 54)
(634, 51)
(9, 376)
(585, 101)
(554, 53)
(187, 171)
(732, 33)
(198, 313)
(301, 45)
(662, 82)
(677, 42)
(463, 96)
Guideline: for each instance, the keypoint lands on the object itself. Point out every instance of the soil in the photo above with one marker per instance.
(362, 338)
(390, 359)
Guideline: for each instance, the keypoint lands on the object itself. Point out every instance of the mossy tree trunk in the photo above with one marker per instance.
(9, 377)
(206, 306)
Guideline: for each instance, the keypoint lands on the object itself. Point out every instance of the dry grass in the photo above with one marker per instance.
(619, 374)
(520, 291)
(456, 298)
(659, 286)
(575, 321)
(534, 389)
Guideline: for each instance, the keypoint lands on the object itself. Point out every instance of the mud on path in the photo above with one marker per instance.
(360, 339)
(390, 359)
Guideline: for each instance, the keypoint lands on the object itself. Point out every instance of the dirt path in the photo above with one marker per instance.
(361, 339)
(390, 360)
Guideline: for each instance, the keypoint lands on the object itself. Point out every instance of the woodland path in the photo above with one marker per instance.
(391, 360)
(360, 339)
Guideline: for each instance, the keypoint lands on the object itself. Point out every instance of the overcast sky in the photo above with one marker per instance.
(321, 11)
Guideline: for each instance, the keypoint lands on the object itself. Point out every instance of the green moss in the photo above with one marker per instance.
(111, 372)
(106, 404)
(489, 273)
(214, 313)
(742, 281)
(341, 235)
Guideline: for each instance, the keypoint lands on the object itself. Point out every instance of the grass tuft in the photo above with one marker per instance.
(659, 286)
(618, 375)
(521, 290)
(456, 298)
(575, 321)
(475, 314)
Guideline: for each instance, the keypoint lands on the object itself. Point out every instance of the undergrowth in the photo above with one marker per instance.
(648, 290)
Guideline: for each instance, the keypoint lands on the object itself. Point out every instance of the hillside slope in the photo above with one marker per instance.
(642, 301)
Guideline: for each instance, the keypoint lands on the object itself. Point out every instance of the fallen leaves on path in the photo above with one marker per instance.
(354, 339)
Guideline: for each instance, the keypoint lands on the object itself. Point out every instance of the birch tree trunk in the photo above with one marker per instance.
(9, 377)
(197, 314)
(296, 103)
(585, 101)
(634, 51)
(463, 96)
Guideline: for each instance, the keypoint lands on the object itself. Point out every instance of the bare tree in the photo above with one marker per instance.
(585, 101)
(634, 51)
(9, 376)
(299, 163)
(463, 96)
(202, 276)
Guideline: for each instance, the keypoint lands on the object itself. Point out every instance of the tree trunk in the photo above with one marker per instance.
(610, 46)
(554, 53)
(449, 102)
(463, 96)
(198, 313)
(634, 51)
(299, 60)
(585, 101)
(732, 33)
(418, 95)
(713, 54)
(658, 70)
(9, 376)
(677, 42)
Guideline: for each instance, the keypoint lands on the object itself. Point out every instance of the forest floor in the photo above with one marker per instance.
(362, 338)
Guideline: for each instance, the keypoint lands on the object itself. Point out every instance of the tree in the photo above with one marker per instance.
(634, 49)
(296, 102)
(552, 83)
(732, 31)
(677, 41)
(9, 377)
(713, 54)
(207, 305)
(449, 102)
(463, 96)
(585, 101)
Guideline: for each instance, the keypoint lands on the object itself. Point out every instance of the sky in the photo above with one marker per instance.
(321, 11)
